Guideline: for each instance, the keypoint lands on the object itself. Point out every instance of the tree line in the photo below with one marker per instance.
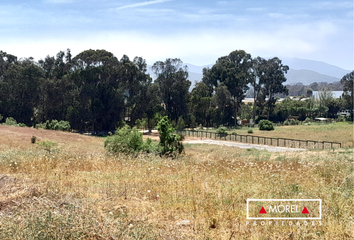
(97, 91)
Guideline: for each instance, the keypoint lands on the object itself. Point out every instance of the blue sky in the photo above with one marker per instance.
(198, 32)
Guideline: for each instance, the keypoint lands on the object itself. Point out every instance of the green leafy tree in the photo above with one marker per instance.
(98, 76)
(222, 99)
(169, 141)
(19, 90)
(325, 96)
(272, 79)
(256, 82)
(234, 71)
(265, 125)
(200, 101)
(172, 79)
(347, 95)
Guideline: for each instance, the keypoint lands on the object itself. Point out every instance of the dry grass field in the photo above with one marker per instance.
(76, 191)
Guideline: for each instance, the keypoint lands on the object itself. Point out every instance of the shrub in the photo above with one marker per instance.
(64, 126)
(49, 146)
(128, 140)
(149, 147)
(10, 121)
(170, 143)
(294, 122)
(55, 125)
(33, 139)
(307, 120)
(265, 125)
(341, 119)
(286, 122)
(250, 131)
(125, 140)
(22, 125)
(141, 123)
(180, 124)
(221, 130)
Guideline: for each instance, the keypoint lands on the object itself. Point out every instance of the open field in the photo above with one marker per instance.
(76, 191)
(333, 132)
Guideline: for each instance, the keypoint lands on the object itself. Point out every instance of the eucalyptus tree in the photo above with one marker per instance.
(235, 72)
(96, 73)
(56, 90)
(200, 101)
(347, 81)
(272, 79)
(136, 83)
(223, 99)
(258, 71)
(19, 90)
(172, 79)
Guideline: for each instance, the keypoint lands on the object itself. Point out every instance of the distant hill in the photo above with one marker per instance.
(301, 70)
(316, 66)
(307, 77)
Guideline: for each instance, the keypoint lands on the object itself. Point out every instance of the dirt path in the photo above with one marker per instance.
(196, 140)
(244, 145)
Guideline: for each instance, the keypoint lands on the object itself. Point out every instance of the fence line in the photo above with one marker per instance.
(279, 142)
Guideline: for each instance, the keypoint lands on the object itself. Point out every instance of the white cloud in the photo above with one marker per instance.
(141, 4)
(197, 36)
(196, 47)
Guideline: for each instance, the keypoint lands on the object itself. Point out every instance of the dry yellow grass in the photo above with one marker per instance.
(79, 192)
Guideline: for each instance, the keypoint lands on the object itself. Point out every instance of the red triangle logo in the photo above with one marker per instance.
(263, 211)
(305, 211)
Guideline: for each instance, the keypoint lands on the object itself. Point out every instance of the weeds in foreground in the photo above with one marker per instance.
(202, 195)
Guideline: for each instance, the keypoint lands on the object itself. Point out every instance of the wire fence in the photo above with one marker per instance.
(279, 142)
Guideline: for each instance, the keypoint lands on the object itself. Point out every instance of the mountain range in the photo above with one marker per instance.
(301, 71)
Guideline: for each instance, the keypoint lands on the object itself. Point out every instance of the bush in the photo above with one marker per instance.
(294, 122)
(307, 120)
(221, 130)
(341, 119)
(33, 139)
(141, 123)
(250, 131)
(49, 146)
(149, 146)
(265, 125)
(286, 122)
(55, 125)
(126, 140)
(10, 121)
(170, 143)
